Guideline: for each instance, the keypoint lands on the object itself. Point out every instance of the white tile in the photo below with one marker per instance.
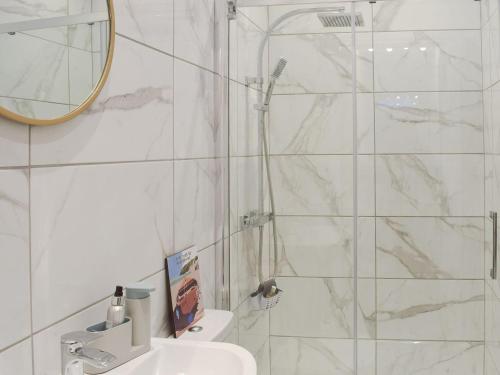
(257, 15)
(196, 183)
(426, 15)
(304, 356)
(333, 312)
(115, 219)
(367, 357)
(428, 61)
(311, 124)
(329, 67)
(246, 137)
(366, 247)
(17, 359)
(245, 250)
(315, 246)
(150, 22)
(430, 248)
(249, 37)
(429, 122)
(15, 317)
(313, 185)
(366, 185)
(197, 134)
(430, 358)
(14, 143)
(488, 9)
(194, 31)
(430, 185)
(131, 120)
(492, 363)
(430, 309)
(207, 271)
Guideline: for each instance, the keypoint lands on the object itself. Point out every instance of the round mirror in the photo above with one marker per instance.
(55, 57)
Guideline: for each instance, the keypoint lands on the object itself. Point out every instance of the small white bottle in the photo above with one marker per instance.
(116, 312)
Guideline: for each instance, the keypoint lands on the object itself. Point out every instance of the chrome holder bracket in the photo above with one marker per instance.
(261, 107)
(231, 10)
(254, 81)
(253, 219)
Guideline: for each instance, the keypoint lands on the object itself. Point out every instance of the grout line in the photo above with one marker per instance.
(169, 54)
(10, 346)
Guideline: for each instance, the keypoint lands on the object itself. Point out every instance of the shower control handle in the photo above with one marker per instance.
(493, 272)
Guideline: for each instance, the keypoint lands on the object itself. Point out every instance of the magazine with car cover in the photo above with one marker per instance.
(186, 303)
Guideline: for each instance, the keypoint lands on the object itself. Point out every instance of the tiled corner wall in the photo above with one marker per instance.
(103, 199)
(490, 26)
(421, 197)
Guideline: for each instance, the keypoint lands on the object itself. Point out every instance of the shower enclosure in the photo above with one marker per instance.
(383, 137)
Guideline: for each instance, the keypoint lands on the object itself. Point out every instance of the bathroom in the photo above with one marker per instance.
(333, 164)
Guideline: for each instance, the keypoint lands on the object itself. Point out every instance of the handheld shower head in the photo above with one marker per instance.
(278, 70)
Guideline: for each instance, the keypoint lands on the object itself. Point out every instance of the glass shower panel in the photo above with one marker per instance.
(425, 252)
(311, 124)
(378, 165)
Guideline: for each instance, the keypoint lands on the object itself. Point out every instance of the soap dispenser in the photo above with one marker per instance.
(139, 309)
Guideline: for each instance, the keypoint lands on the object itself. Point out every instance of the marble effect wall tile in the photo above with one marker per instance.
(15, 316)
(430, 358)
(132, 119)
(196, 183)
(194, 31)
(333, 310)
(315, 246)
(150, 22)
(430, 185)
(17, 360)
(430, 248)
(313, 185)
(319, 124)
(329, 68)
(428, 61)
(430, 310)
(491, 51)
(197, 133)
(249, 36)
(429, 122)
(426, 15)
(303, 356)
(91, 216)
(14, 144)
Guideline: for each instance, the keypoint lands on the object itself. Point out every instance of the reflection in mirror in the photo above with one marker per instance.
(54, 53)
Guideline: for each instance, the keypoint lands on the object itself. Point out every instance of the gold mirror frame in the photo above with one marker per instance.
(90, 99)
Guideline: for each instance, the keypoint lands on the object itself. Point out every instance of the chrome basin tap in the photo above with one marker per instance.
(75, 353)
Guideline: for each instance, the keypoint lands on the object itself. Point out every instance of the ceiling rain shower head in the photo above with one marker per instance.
(337, 19)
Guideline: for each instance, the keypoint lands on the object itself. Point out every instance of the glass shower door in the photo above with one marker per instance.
(428, 263)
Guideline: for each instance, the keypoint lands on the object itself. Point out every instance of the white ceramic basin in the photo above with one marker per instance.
(175, 357)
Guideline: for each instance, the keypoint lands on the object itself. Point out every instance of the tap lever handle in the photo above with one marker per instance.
(95, 357)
